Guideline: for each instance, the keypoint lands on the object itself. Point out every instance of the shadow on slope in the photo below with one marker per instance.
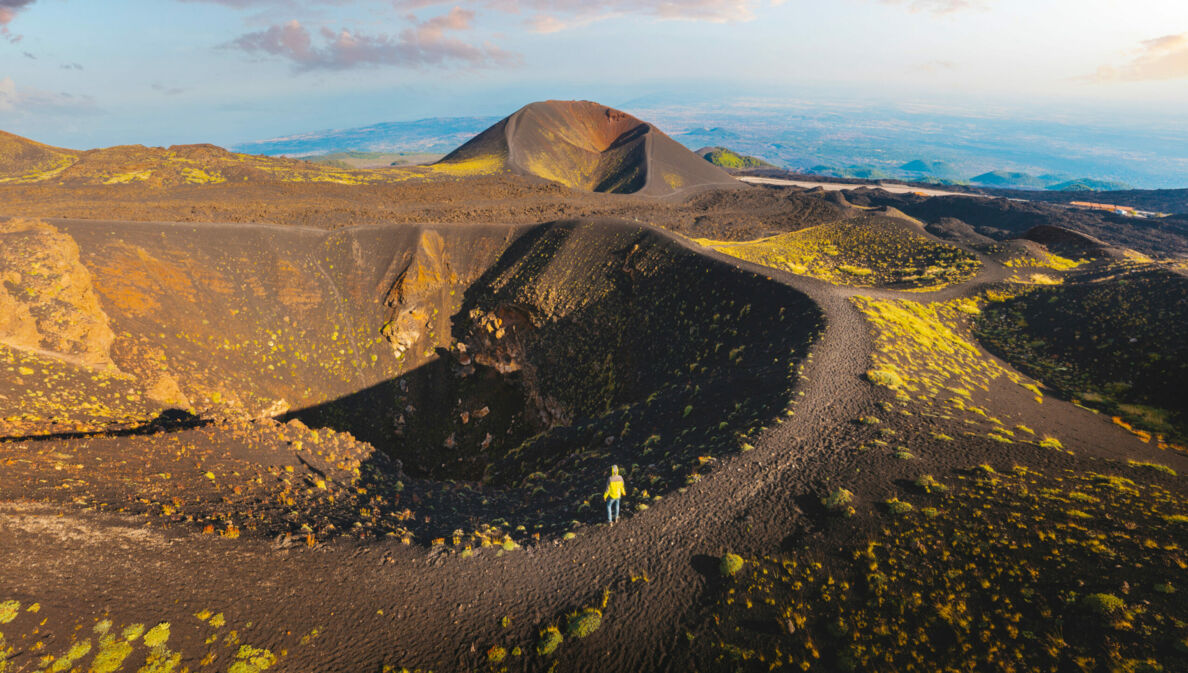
(586, 344)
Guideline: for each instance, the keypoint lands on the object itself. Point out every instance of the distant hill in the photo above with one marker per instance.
(1007, 179)
(863, 172)
(939, 170)
(436, 135)
(940, 182)
(918, 166)
(1087, 185)
(1053, 182)
(23, 160)
(726, 158)
(855, 172)
(585, 145)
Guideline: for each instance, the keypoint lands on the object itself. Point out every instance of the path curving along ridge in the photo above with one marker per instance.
(383, 603)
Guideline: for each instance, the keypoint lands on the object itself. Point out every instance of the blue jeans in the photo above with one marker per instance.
(612, 505)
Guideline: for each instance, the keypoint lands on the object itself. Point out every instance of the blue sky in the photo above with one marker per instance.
(81, 73)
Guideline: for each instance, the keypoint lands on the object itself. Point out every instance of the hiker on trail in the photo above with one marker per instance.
(614, 490)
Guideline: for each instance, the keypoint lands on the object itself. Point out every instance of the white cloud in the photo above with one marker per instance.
(550, 16)
(428, 42)
(939, 6)
(1162, 58)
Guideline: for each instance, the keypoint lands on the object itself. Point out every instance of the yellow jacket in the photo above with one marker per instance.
(614, 488)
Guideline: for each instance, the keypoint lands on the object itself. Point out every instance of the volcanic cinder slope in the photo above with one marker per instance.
(365, 427)
(485, 353)
(589, 146)
(24, 160)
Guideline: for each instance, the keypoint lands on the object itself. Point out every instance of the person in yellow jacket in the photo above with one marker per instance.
(615, 489)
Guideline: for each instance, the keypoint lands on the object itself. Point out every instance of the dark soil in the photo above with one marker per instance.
(1110, 338)
(1001, 219)
(752, 381)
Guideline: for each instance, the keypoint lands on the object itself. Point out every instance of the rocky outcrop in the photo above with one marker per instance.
(48, 305)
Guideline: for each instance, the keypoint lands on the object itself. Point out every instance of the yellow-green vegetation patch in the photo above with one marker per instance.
(197, 176)
(923, 353)
(133, 632)
(479, 165)
(1158, 467)
(884, 377)
(111, 655)
(730, 564)
(1040, 258)
(550, 640)
(1050, 442)
(1039, 279)
(76, 652)
(898, 507)
(838, 501)
(157, 635)
(130, 176)
(52, 165)
(922, 350)
(1115, 483)
(250, 659)
(584, 622)
(673, 180)
(107, 647)
(991, 576)
(929, 484)
(868, 251)
(9, 610)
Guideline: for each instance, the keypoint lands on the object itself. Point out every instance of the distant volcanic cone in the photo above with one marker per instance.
(588, 146)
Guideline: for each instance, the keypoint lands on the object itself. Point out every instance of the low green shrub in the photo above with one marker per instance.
(1050, 442)
(885, 378)
(584, 622)
(730, 564)
(1104, 605)
(837, 499)
(930, 484)
(550, 640)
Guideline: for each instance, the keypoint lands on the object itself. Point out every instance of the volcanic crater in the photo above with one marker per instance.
(518, 360)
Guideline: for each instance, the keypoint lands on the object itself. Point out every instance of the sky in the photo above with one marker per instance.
(82, 73)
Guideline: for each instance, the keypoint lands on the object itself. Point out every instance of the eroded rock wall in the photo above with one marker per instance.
(47, 302)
